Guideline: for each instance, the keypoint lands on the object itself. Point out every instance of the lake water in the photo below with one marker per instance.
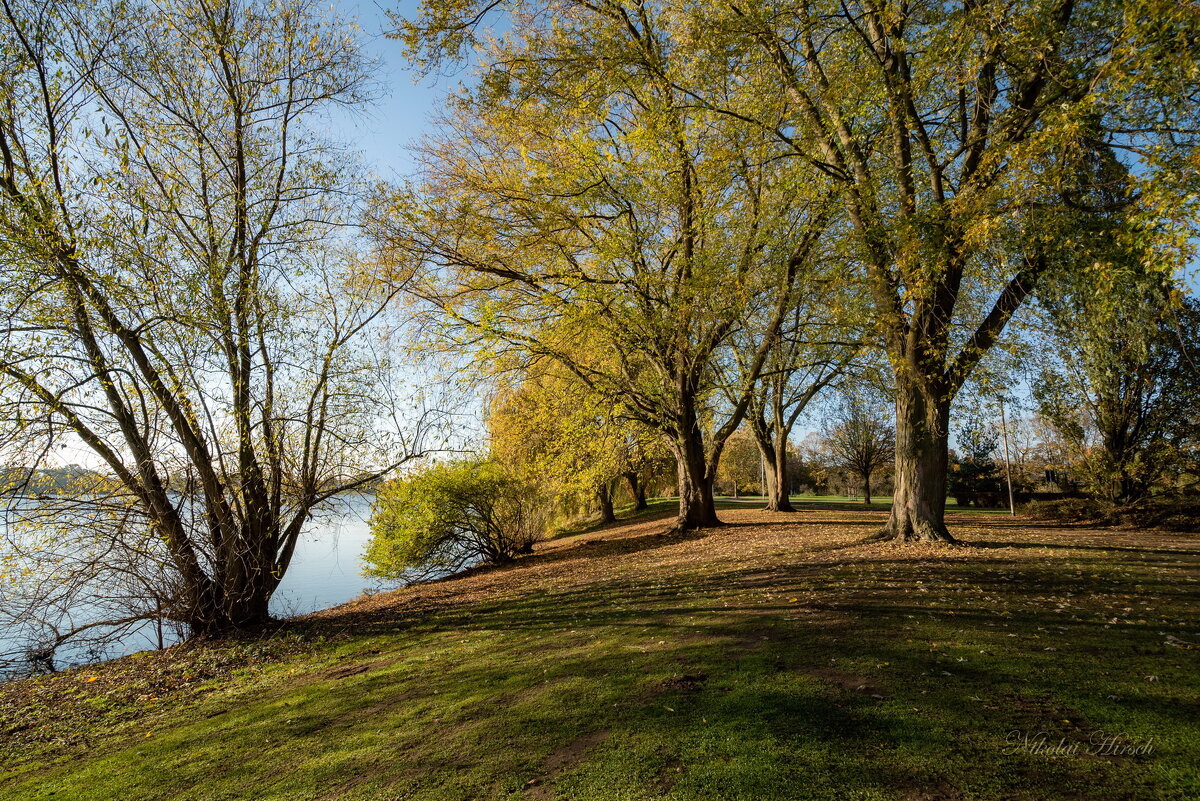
(326, 570)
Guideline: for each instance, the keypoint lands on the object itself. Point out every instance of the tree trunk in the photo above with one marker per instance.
(243, 608)
(250, 611)
(866, 488)
(238, 597)
(604, 496)
(637, 488)
(919, 500)
(245, 602)
(697, 509)
(202, 613)
(774, 457)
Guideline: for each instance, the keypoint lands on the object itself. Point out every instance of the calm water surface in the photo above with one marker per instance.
(326, 570)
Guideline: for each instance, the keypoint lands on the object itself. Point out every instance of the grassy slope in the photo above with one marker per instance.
(770, 659)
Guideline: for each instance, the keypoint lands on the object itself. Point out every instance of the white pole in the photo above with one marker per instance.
(1012, 509)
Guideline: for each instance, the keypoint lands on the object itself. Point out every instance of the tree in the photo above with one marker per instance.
(741, 468)
(552, 431)
(580, 209)
(794, 376)
(860, 439)
(816, 345)
(1121, 385)
(1121, 372)
(452, 515)
(186, 301)
(976, 477)
(952, 132)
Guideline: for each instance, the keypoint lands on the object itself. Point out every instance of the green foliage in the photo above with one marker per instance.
(741, 468)
(555, 432)
(652, 158)
(449, 516)
(1120, 381)
(581, 208)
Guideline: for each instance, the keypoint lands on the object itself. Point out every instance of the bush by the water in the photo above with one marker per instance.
(451, 516)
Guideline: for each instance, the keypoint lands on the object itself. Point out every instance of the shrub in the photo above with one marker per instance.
(451, 516)
(1066, 510)
(1167, 512)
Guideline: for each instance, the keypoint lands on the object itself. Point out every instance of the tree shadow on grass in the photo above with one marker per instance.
(759, 715)
(836, 676)
(753, 681)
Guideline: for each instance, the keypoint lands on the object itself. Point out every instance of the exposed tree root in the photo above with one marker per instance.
(923, 531)
(680, 528)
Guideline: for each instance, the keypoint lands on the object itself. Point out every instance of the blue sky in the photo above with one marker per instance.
(384, 132)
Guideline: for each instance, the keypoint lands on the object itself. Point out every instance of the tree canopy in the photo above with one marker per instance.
(951, 135)
(185, 299)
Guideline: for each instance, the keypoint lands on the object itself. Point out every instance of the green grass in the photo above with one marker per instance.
(755, 664)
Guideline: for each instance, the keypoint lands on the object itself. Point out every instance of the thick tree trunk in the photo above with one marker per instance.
(251, 611)
(604, 496)
(866, 488)
(919, 501)
(238, 597)
(1121, 487)
(245, 601)
(237, 609)
(774, 456)
(697, 509)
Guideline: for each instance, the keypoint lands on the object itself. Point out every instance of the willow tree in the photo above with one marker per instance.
(577, 207)
(951, 131)
(550, 430)
(187, 310)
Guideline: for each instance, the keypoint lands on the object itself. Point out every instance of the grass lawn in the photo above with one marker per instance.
(773, 658)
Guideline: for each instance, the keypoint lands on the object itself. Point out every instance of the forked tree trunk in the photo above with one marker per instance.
(774, 456)
(248, 585)
(236, 607)
(637, 489)
(919, 501)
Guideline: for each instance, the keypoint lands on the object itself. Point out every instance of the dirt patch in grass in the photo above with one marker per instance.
(848, 682)
(346, 671)
(560, 760)
(685, 683)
